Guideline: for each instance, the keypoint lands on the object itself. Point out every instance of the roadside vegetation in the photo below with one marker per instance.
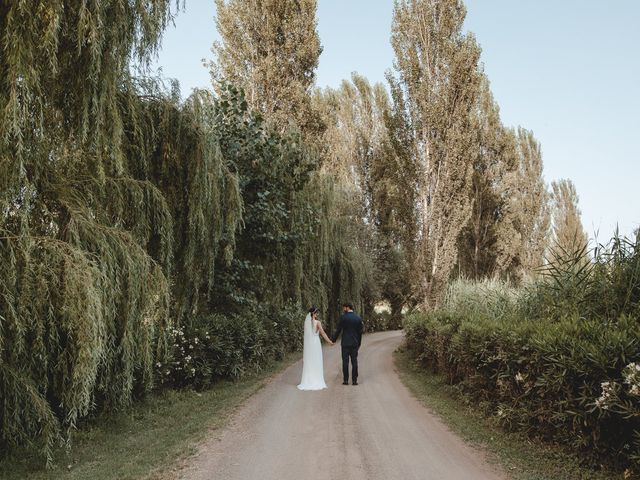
(145, 441)
(557, 359)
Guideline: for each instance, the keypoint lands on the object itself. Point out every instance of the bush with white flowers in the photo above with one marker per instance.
(220, 346)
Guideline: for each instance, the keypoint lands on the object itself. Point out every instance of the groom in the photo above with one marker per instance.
(350, 324)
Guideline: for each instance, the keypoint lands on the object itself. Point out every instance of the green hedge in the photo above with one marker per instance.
(220, 346)
(572, 381)
(228, 346)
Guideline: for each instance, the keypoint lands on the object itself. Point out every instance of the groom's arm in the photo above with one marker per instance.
(335, 336)
(360, 332)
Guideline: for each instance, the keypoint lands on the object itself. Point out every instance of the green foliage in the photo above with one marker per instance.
(105, 244)
(202, 191)
(87, 260)
(437, 83)
(557, 359)
(298, 243)
(335, 265)
(615, 288)
(604, 288)
(381, 322)
(362, 157)
(115, 204)
(272, 60)
(273, 170)
(507, 233)
(146, 240)
(83, 297)
(567, 226)
(67, 59)
(216, 347)
(303, 239)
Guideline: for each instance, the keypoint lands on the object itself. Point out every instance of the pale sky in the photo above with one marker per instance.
(569, 70)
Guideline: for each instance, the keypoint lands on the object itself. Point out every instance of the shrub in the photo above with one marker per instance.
(572, 381)
(558, 359)
(228, 346)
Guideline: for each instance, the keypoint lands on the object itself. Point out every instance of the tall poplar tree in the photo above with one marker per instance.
(523, 233)
(438, 81)
(569, 235)
(270, 49)
(494, 163)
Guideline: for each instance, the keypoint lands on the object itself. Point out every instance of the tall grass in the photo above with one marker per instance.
(558, 358)
(488, 298)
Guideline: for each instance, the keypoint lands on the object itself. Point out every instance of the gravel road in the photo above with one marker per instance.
(374, 431)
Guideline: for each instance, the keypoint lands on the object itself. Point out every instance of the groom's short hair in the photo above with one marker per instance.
(348, 305)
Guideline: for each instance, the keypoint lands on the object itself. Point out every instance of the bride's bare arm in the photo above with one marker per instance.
(324, 335)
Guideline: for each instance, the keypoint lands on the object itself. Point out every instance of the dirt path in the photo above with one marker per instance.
(372, 431)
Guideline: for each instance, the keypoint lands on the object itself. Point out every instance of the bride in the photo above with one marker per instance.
(312, 368)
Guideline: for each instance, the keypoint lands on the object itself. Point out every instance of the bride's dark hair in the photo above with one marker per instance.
(313, 310)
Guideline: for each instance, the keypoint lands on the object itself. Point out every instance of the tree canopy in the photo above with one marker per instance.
(128, 213)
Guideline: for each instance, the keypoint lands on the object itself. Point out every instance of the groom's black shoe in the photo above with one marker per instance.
(345, 383)
(355, 382)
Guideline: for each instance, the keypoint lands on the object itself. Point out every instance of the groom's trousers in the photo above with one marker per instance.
(350, 353)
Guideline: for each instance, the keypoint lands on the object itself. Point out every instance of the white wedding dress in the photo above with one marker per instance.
(312, 368)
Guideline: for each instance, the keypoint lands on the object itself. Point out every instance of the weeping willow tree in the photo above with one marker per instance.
(202, 189)
(114, 196)
(334, 263)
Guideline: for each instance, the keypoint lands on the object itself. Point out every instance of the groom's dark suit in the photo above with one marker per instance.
(350, 324)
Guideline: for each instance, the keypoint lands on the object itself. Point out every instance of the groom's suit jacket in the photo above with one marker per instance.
(350, 324)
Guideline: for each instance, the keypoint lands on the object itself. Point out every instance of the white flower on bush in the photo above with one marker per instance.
(519, 377)
(608, 392)
(631, 374)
